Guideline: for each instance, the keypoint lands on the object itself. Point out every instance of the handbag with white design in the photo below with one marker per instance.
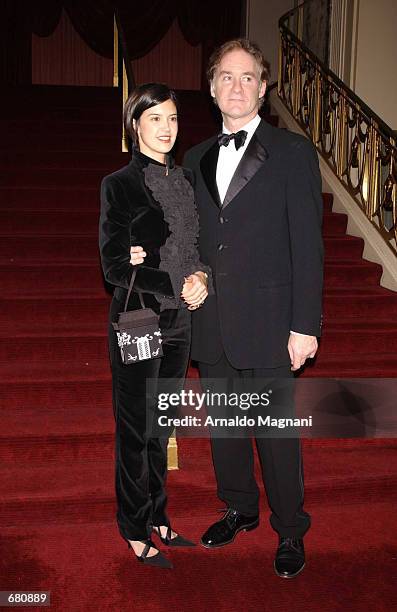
(138, 331)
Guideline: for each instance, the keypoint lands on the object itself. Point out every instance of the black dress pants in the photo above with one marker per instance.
(141, 460)
(280, 458)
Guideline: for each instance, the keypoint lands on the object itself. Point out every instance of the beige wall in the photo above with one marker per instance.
(371, 40)
(374, 73)
(262, 27)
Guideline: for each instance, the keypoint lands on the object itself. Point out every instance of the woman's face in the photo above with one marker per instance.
(157, 129)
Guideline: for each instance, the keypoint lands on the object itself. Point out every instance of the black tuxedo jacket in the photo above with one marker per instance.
(264, 246)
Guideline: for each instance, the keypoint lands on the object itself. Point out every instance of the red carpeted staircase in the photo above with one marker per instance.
(56, 440)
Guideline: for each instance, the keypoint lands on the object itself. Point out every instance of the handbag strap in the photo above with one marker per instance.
(132, 281)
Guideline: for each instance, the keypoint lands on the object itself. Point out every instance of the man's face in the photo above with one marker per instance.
(236, 85)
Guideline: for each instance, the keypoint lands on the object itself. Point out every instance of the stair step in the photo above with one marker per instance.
(343, 246)
(20, 199)
(58, 113)
(358, 339)
(93, 446)
(358, 292)
(38, 422)
(81, 349)
(343, 365)
(51, 494)
(60, 280)
(63, 141)
(51, 223)
(86, 279)
(63, 160)
(80, 367)
(39, 490)
(37, 434)
(334, 224)
(54, 177)
(356, 302)
(104, 125)
(55, 350)
(75, 315)
(39, 248)
(70, 315)
(340, 303)
(51, 390)
(328, 199)
(67, 221)
(351, 274)
(354, 325)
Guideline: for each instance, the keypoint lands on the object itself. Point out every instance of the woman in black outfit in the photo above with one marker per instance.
(149, 202)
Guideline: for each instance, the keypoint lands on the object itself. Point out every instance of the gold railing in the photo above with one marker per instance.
(358, 146)
(122, 72)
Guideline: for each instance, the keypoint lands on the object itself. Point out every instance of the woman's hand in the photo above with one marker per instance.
(194, 290)
(137, 255)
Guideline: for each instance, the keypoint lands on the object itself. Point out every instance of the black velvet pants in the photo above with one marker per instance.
(280, 458)
(140, 460)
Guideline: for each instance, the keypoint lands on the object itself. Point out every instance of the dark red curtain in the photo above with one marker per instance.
(144, 24)
(15, 44)
(205, 22)
(43, 15)
(200, 21)
(92, 19)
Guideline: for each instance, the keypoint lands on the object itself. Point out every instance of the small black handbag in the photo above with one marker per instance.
(138, 331)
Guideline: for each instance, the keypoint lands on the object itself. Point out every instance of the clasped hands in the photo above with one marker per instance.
(194, 290)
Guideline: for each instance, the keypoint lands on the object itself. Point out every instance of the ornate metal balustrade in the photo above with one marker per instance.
(358, 146)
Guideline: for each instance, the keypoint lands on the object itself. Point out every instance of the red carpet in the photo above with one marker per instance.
(56, 440)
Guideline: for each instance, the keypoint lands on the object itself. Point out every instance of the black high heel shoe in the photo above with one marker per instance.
(169, 541)
(157, 560)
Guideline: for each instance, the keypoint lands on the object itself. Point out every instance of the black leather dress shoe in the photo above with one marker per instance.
(224, 531)
(290, 557)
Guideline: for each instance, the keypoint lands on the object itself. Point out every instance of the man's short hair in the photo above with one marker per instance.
(239, 43)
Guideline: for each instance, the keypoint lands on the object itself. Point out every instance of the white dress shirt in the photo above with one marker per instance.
(228, 160)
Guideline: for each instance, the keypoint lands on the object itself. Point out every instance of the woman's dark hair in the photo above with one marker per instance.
(141, 98)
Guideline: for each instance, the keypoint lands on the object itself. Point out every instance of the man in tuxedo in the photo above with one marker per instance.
(258, 194)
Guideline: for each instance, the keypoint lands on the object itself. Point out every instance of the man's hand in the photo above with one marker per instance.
(137, 255)
(194, 290)
(300, 348)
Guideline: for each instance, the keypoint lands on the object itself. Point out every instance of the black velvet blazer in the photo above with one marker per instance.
(131, 215)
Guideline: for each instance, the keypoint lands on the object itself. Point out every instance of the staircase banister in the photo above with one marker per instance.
(358, 146)
(371, 115)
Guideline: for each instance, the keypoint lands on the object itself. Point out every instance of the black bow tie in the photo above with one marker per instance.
(239, 139)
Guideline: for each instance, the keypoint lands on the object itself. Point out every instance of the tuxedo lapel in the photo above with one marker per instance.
(253, 159)
(208, 165)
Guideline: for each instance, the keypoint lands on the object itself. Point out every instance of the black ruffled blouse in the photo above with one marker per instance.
(179, 255)
(150, 204)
